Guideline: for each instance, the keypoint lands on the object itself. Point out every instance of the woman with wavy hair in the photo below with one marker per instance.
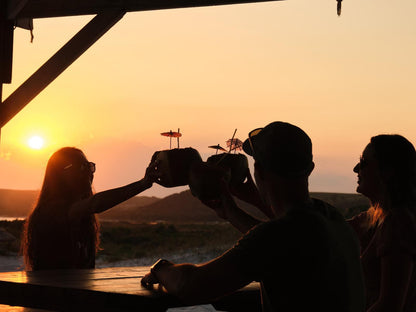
(62, 231)
(387, 231)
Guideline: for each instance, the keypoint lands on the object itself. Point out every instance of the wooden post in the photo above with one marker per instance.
(6, 44)
(1, 94)
(62, 59)
(6, 49)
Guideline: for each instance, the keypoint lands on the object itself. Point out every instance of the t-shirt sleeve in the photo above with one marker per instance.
(397, 235)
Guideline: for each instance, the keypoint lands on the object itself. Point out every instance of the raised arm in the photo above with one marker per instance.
(226, 208)
(248, 192)
(105, 200)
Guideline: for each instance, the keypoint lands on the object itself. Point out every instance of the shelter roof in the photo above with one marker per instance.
(55, 8)
(107, 13)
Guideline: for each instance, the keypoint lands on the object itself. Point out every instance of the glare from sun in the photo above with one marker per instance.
(36, 142)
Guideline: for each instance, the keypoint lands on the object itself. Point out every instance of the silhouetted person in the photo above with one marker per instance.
(62, 231)
(387, 231)
(306, 257)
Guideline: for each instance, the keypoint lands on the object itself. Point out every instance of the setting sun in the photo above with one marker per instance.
(36, 142)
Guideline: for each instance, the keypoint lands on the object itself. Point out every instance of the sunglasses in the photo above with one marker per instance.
(251, 135)
(88, 165)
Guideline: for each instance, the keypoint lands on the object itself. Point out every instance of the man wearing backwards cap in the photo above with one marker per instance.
(306, 257)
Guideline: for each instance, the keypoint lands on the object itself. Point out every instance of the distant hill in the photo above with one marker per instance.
(178, 208)
(183, 207)
(126, 208)
(348, 204)
(16, 203)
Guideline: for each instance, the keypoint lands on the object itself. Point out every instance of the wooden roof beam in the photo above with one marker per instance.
(55, 8)
(74, 48)
(6, 46)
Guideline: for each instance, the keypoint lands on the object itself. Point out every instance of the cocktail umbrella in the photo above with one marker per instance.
(234, 144)
(217, 147)
(171, 134)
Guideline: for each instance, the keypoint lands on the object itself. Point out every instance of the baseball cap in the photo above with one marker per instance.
(282, 148)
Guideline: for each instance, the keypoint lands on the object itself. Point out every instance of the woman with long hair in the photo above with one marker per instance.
(387, 231)
(62, 231)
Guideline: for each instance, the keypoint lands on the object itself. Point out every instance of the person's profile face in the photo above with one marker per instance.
(80, 170)
(369, 177)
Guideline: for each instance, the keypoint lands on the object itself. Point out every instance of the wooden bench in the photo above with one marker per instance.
(105, 289)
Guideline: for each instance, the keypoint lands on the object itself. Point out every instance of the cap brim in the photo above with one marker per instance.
(247, 147)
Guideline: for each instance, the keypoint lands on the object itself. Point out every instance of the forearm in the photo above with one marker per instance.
(241, 220)
(176, 279)
(196, 284)
(107, 199)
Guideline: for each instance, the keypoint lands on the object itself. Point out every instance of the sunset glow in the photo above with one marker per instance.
(211, 70)
(36, 142)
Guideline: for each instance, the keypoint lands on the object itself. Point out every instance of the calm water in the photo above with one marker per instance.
(10, 218)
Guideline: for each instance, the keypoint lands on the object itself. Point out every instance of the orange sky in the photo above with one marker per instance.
(211, 70)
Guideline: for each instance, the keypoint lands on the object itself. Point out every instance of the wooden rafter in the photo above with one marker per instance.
(55, 8)
(108, 13)
(85, 38)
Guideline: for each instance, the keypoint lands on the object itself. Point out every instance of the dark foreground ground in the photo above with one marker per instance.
(126, 244)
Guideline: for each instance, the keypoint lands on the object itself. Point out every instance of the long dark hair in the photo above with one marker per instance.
(57, 194)
(396, 158)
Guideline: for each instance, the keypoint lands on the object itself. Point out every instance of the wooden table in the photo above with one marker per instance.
(106, 289)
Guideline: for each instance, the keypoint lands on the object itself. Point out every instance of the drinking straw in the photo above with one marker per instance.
(232, 139)
(225, 154)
